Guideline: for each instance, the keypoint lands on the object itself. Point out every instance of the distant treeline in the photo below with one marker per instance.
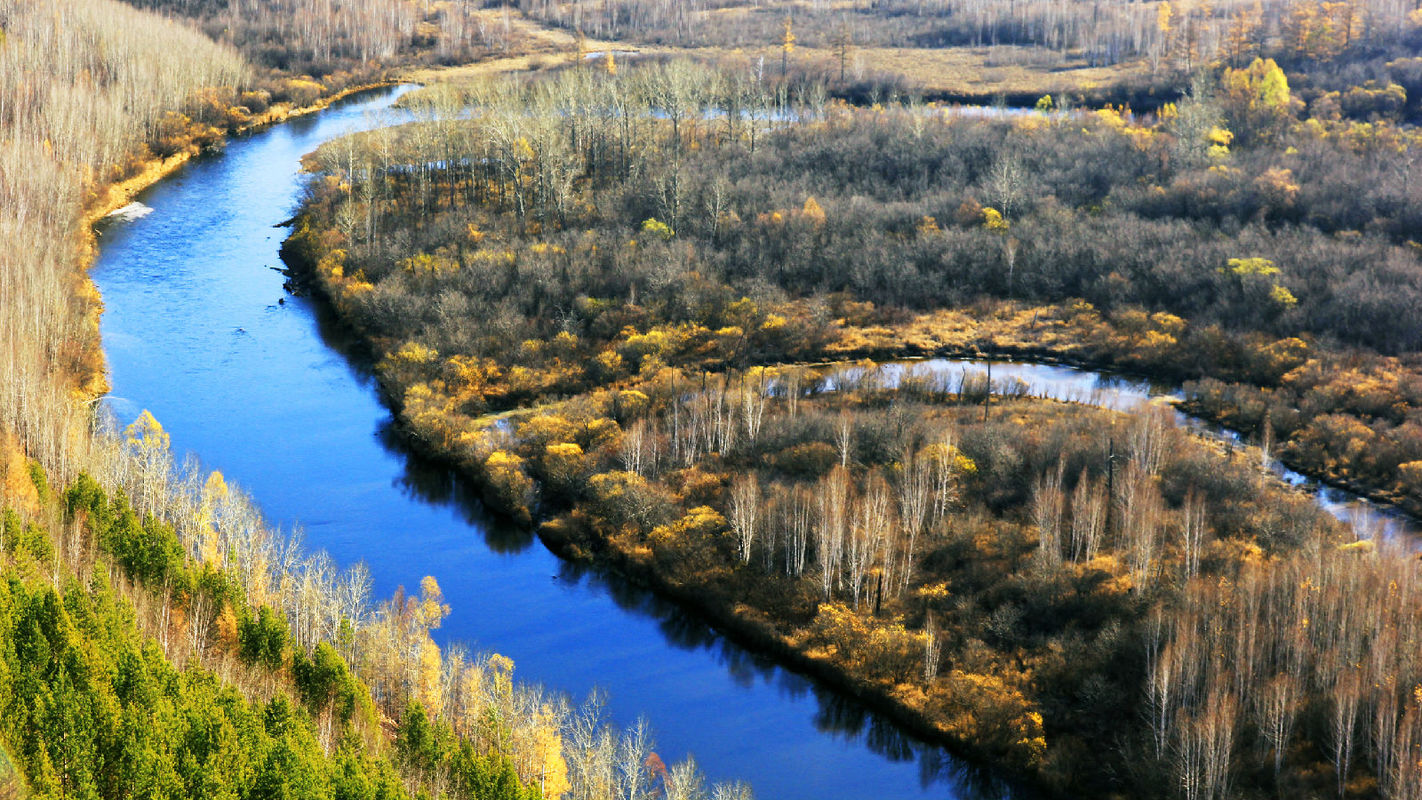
(361, 38)
(1176, 36)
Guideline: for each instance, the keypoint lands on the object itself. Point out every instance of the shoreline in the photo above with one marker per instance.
(106, 199)
(760, 636)
(114, 196)
(567, 537)
(757, 635)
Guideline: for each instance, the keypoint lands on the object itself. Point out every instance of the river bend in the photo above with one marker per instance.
(256, 383)
(259, 384)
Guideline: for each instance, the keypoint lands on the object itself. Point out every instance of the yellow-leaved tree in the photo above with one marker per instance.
(813, 212)
(429, 613)
(1257, 100)
(214, 494)
(539, 754)
(148, 443)
(787, 46)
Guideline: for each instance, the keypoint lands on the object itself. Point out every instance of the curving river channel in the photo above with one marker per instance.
(261, 385)
(258, 384)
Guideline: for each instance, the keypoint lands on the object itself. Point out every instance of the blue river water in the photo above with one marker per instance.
(261, 385)
(258, 384)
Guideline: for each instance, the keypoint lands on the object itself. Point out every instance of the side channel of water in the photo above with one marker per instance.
(1071, 384)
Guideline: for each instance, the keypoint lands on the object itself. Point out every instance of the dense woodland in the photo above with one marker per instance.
(1008, 578)
(296, 683)
(636, 252)
(1224, 240)
(351, 40)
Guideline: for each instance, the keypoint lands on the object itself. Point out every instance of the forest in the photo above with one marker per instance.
(1259, 268)
(609, 293)
(296, 683)
(1190, 32)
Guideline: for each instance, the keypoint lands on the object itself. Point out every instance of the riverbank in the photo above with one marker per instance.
(578, 542)
(742, 624)
(576, 537)
(107, 198)
(759, 633)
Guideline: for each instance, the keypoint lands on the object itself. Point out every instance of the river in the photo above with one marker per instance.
(261, 385)
(258, 384)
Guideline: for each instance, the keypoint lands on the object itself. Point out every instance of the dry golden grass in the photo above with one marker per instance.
(538, 47)
(985, 70)
(1006, 328)
(978, 71)
(477, 70)
(113, 196)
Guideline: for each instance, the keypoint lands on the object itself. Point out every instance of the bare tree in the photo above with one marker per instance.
(832, 498)
(633, 451)
(1217, 731)
(945, 467)
(1088, 517)
(1007, 184)
(914, 488)
(1278, 708)
(754, 396)
(1192, 529)
(1342, 724)
(684, 782)
(844, 441)
(932, 650)
(745, 513)
(1048, 505)
(798, 516)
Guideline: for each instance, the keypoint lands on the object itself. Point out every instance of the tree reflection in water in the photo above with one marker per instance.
(845, 718)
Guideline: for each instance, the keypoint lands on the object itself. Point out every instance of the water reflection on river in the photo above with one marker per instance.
(199, 330)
